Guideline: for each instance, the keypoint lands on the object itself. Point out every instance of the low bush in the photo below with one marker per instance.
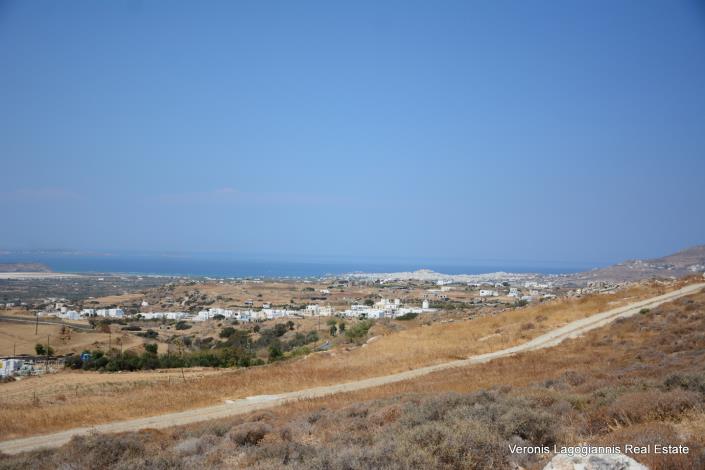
(249, 433)
(358, 330)
(182, 325)
(408, 316)
(637, 407)
(227, 332)
(694, 383)
(150, 334)
(130, 361)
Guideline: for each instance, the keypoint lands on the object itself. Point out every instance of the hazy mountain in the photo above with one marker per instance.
(688, 261)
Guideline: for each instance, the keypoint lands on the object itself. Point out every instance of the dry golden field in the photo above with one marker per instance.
(639, 380)
(392, 352)
(20, 338)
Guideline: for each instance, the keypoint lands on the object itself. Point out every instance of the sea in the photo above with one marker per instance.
(227, 265)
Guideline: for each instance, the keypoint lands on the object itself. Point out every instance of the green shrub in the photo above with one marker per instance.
(359, 330)
(150, 333)
(275, 353)
(300, 351)
(227, 332)
(182, 325)
(408, 316)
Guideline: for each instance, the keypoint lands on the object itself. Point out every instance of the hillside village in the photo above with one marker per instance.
(134, 321)
(422, 298)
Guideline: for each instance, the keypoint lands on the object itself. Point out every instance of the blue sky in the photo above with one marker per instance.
(458, 130)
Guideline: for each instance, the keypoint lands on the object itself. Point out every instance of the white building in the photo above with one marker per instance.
(272, 313)
(164, 315)
(10, 367)
(488, 293)
(110, 312)
(318, 311)
(239, 315)
(385, 308)
(537, 285)
(375, 313)
(71, 315)
(258, 315)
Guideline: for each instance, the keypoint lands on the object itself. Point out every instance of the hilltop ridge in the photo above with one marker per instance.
(688, 261)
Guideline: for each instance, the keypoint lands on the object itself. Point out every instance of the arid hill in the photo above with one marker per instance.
(688, 261)
(24, 268)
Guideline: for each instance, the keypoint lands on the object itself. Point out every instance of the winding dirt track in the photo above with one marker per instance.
(231, 408)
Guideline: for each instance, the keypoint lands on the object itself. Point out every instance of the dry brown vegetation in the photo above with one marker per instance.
(234, 294)
(20, 338)
(394, 352)
(639, 380)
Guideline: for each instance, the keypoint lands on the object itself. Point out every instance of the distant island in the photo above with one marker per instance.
(24, 268)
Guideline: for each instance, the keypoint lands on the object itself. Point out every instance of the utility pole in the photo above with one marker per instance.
(46, 363)
(181, 357)
(36, 324)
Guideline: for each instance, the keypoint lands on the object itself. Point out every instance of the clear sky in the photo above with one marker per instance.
(455, 130)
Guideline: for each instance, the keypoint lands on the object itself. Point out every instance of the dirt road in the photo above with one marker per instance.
(231, 408)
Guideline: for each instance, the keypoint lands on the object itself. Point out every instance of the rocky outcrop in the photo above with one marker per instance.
(593, 462)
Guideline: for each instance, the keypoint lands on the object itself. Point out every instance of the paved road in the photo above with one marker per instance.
(236, 407)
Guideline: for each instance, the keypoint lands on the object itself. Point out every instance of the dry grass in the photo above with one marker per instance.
(395, 352)
(20, 338)
(648, 386)
(233, 294)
